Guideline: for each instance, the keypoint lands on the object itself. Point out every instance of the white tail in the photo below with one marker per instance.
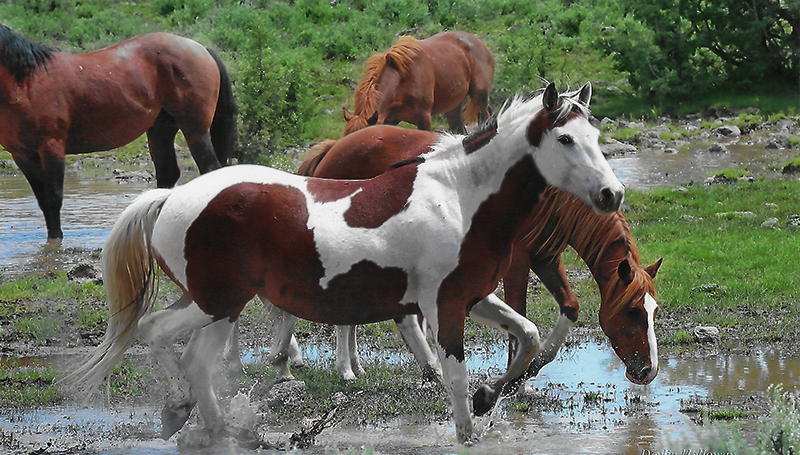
(129, 273)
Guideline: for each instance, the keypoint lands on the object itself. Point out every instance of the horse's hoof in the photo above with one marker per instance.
(484, 399)
(248, 439)
(174, 417)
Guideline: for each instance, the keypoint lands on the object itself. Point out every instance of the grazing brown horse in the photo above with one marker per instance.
(428, 237)
(603, 242)
(54, 104)
(415, 79)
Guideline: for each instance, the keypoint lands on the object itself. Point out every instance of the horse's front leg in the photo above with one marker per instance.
(346, 351)
(493, 312)
(551, 272)
(45, 174)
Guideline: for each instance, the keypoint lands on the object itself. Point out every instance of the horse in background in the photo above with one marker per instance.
(416, 79)
(427, 237)
(56, 104)
(603, 242)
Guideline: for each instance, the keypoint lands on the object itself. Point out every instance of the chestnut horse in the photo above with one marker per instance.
(430, 237)
(54, 104)
(415, 79)
(603, 242)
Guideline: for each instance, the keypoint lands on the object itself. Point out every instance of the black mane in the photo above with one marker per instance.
(21, 56)
(481, 136)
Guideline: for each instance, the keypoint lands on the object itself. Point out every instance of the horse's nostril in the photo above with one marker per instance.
(644, 373)
(607, 198)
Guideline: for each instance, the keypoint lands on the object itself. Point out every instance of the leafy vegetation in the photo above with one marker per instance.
(295, 63)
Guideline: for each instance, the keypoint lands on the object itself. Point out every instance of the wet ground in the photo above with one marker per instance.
(598, 411)
(581, 403)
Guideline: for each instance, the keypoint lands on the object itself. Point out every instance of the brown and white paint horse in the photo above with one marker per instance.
(431, 237)
(604, 242)
(415, 79)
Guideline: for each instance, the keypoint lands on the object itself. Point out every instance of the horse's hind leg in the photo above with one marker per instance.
(198, 361)
(161, 138)
(159, 330)
(46, 178)
(202, 150)
(414, 337)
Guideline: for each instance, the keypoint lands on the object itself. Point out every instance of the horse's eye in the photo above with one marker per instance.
(566, 139)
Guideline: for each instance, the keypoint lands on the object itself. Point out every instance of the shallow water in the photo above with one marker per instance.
(621, 418)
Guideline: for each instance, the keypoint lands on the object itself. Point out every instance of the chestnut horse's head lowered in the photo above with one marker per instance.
(415, 79)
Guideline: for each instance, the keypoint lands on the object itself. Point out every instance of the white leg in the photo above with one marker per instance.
(198, 361)
(233, 354)
(415, 339)
(159, 331)
(355, 362)
(284, 346)
(343, 365)
(550, 346)
(495, 313)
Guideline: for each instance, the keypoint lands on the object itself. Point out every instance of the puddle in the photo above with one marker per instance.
(590, 407)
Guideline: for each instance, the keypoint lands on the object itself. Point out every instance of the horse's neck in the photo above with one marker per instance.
(600, 240)
(385, 88)
(499, 170)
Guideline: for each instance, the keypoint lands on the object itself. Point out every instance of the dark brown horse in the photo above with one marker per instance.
(419, 78)
(603, 242)
(54, 104)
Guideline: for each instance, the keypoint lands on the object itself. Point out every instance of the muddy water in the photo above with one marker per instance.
(599, 411)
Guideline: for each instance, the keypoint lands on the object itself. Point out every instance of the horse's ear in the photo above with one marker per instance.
(625, 272)
(550, 97)
(653, 268)
(373, 119)
(347, 114)
(585, 95)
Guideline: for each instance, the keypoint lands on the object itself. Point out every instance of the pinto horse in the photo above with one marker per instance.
(415, 79)
(54, 104)
(627, 308)
(430, 237)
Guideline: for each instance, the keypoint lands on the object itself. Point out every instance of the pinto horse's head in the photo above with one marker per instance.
(627, 316)
(568, 152)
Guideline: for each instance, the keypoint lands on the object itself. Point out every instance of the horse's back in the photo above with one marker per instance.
(371, 151)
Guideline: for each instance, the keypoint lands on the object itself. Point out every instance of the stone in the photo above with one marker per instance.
(718, 148)
(710, 288)
(705, 334)
(793, 222)
(85, 273)
(771, 223)
(616, 148)
(728, 131)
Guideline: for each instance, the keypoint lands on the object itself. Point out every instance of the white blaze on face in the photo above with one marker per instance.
(650, 307)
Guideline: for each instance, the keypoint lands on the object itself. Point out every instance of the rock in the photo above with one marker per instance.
(606, 121)
(85, 273)
(616, 148)
(690, 219)
(793, 222)
(680, 189)
(710, 288)
(728, 131)
(705, 334)
(770, 205)
(718, 148)
(771, 223)
(133, 176)
(289, 393)
(791, 168)
(778, 141)
(747, 214)
(670, 151)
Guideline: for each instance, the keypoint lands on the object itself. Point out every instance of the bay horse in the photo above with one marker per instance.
(604, 242)
(415, 79)
(56, 104)
(431, 237)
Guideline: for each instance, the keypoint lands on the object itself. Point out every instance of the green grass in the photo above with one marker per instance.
(27, 385)
(757, 265)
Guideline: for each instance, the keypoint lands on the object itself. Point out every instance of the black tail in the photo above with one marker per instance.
(223, 127)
